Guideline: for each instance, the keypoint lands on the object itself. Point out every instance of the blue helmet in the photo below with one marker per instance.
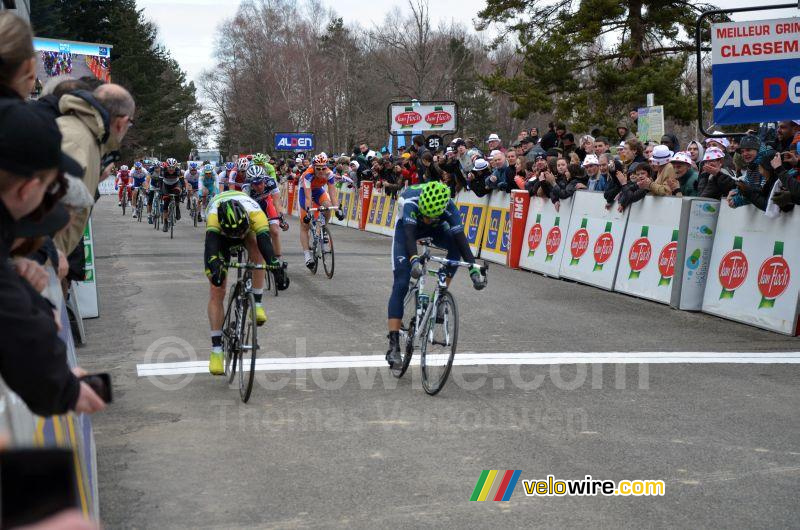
(137, 165)
(229, 166)
(193, 165)
(208, 169)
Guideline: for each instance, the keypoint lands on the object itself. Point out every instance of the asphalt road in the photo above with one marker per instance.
(357, 448)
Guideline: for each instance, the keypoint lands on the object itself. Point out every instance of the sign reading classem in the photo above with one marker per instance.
(422, 116)
(294, 141)
(756, 71)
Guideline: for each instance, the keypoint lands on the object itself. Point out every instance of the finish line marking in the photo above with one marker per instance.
(283, 364)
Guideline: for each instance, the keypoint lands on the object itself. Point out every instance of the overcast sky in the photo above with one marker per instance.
(188, 28)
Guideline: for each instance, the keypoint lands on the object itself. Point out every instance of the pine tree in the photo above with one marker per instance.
(592, 61)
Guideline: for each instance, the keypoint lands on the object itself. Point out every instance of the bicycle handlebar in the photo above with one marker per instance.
(426, 256)
(253, 266)
(322, 209)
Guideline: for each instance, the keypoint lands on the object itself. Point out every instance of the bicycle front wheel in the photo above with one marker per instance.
(194, 213)
(407, 331)
(327, 252)
(172, 219)
(124, 202)
(230, 337)
(438, 346)
(248, 347)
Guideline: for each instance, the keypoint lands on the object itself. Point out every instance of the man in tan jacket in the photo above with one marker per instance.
(92, 127)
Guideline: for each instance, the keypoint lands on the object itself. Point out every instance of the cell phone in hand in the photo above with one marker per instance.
(100, 383)
(35, 484)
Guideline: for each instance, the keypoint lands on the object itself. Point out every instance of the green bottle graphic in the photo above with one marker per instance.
(603, 242)
(636, 269)
(770, 290)
(581, 236)
(667, 270)
(551, 245)
(727, 293)
(532, 246)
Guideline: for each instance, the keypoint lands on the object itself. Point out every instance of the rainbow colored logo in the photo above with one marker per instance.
(496, 485)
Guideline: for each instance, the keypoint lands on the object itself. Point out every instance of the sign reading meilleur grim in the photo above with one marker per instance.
(756, 71)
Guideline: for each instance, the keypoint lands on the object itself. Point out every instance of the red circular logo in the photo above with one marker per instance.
(639, 254)
(603, 247)
(580, 242)
(553, 240)
(733, 270)
(408, 118)
(773, 277)
(666, 260)
(438, 117)
(535, 236)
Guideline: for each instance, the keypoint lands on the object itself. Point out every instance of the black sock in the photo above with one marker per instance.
(216, 341)
(257, 297)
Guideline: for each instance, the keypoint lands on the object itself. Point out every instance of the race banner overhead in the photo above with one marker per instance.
(756, 71)
(422, 116)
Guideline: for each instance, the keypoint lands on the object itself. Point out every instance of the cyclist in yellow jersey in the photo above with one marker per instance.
(235, 220)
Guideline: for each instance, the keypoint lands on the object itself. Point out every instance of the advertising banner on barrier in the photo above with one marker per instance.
(593, 241)
(473, 214)
(695, 255)
(755, 71)
(497, 227)
(650, 249)
(86, 291)
(353, 213)
(520, 202)
(545, 236)
(364, 203)
(389, 216)
(347, 199)
(752, 268)
(378, 206)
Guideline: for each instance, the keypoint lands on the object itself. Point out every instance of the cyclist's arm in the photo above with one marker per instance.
(276, 201)
(453, 217)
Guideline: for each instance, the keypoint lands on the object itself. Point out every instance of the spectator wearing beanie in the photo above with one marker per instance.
(541, 179)
(695, 150)
(750, 147)
(671, 141)
(686, 173)
(624, 132)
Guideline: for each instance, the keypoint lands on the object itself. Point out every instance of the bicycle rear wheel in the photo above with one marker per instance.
(438, 346)
(327, 252)
(171, 219)
(230, 338)
(194, 212)
(407, 331)
(248, 347)
(124, 201)
(315, 255)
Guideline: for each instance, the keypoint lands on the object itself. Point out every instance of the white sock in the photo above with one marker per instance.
(307, 254)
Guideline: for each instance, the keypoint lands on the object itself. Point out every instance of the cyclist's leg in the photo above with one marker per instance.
(401, 270)
(254, 256)
(274, 228)
(323, 199)
(120, 191)
(216, 317)
(304, 236)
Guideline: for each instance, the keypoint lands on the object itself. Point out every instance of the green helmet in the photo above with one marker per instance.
(433, 199)
(233, 219)
(260, 159)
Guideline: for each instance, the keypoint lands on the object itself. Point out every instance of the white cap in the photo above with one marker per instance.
(661, 155)
(713, 153)
(591, 160)
(494, 153)
(480, 164)
(493, 138)
(721, 140)
(682, 156)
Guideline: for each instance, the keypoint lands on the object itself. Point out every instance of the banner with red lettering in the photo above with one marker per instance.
(593, 241)
(545, 235)
(753, 273)
(756, 71)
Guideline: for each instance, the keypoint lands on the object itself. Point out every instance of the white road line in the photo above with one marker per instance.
(281, 364)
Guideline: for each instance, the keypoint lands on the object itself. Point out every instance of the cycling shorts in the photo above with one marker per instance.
(318, 196)
(138, 182)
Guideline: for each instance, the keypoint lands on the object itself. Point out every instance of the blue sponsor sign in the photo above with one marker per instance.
(756, 71)
(506, 233)
(495, 217)
(474, 224)
(294, 141)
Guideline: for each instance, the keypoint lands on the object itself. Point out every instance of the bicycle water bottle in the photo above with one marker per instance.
(423, 301)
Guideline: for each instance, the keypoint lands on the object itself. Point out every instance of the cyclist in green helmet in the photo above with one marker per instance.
(260, 159)
(425, 210)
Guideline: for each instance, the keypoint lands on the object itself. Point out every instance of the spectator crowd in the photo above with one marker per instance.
(53, 153)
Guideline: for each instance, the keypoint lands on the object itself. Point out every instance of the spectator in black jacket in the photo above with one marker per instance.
(576, 179)
(715, 181)
(502, 178)
(476, 179)
(33, 359)
(550, 139)
(541, 180)
(771, 168)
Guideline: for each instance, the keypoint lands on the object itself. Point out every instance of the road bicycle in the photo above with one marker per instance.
(140, 203)
(240, 328)
(155, 209)
(194, 210)
(124, 201)
(321, 240)
(430, 322)
(171, 214)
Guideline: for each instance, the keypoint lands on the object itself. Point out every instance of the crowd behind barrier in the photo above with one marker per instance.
(660, 248)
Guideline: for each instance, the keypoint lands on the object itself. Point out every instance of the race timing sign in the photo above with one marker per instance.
(756, 71)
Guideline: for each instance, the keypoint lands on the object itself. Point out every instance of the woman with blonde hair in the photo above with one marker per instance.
(17, 57)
